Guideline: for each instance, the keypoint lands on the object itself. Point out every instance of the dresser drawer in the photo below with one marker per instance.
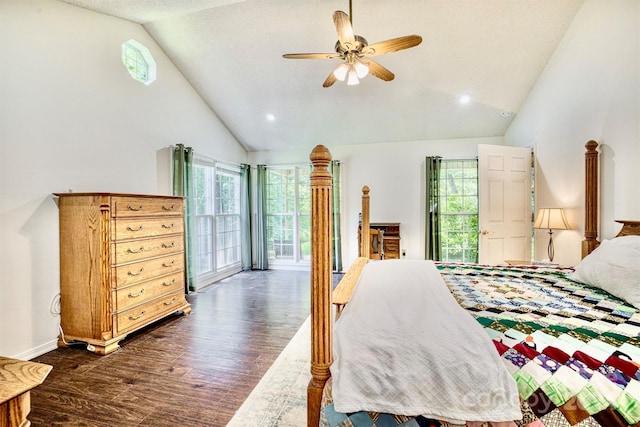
(122, 206)
(145, 270)
(147, 312)
(149, 227)
(139, 293)
(135, 250)
(391, 245)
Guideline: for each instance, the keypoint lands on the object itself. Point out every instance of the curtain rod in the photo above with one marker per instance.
(202, 156)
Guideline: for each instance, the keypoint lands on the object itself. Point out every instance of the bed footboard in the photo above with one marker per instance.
(342, 292)
(321, 281)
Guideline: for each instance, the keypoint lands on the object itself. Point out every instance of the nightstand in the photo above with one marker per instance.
(518, 262)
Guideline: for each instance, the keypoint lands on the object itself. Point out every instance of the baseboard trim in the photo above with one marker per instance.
(37, 351)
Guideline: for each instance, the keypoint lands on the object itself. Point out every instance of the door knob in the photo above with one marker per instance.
(484, 231)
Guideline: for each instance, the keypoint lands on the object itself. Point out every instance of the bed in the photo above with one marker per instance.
(568, 337)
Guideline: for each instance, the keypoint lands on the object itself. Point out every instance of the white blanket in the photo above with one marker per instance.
(404, 346)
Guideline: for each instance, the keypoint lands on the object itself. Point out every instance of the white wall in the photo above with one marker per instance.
(395, 175)
(589, 90)
(71, 117)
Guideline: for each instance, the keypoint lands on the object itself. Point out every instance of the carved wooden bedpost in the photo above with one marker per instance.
(365, 239)
(590, 199)
(321, 281)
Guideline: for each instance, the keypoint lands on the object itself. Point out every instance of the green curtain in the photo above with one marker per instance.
(262, 262)
(336, 183)
(183, 186)
(245, 216)
(432, 217)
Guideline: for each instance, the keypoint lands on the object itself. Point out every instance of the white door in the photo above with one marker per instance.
(504, 214)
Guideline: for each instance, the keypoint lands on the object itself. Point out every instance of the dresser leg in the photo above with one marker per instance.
(97, 348)
(104, 349)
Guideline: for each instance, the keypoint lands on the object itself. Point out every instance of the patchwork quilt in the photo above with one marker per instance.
(573, 350)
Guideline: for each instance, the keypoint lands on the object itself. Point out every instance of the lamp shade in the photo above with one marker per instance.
(341, 72)
(362, 69)
(551, 219)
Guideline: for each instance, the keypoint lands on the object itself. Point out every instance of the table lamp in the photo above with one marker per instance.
(551, 219)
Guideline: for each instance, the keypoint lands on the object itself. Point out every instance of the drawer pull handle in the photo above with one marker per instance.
(132, 208)
(136, 295)
(170, 283)
(132, 317)
(170, 302)
(168, 245)
(168, 226)
(169, 264)
(132, 273)
(133, 251)
(170, 208)
(129, 228)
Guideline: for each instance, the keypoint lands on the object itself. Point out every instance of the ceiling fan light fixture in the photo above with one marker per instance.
(341, 72)
(355, 50)
(362, 69)
(353, 77)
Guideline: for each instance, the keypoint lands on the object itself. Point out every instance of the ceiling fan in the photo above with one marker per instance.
(355, 51)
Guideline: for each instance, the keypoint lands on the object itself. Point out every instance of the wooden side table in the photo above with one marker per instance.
(17, 378)
(518, 262)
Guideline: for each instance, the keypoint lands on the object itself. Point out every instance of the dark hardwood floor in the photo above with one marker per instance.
(191, 370)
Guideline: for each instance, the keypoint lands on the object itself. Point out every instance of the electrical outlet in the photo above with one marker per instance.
(404, 253)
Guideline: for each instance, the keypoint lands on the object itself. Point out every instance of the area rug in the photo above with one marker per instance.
(280, 398)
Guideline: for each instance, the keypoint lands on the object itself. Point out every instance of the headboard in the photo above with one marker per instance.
(591, 199)
(629, 228)
(590, 241)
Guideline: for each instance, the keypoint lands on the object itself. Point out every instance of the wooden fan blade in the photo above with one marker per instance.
(378, 70)
(344, 29)
(392, 45)
(311, 55)
(331, 79)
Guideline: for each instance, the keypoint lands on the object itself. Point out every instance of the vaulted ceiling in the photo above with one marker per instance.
(231, 53)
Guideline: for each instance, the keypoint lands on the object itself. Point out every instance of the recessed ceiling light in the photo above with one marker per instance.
(271, 117)
(464, 99)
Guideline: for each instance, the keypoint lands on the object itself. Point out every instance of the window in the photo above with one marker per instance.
(139, 62)
(459, 210)
(217, 242)
(227, 196)
(288, 214)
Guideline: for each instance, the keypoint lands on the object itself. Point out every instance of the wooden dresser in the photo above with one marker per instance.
(122, 265)
(390, 232)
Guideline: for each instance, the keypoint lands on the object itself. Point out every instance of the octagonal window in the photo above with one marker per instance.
(139, 62)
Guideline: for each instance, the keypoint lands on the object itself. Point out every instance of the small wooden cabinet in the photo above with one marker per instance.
(517, 262)
(122, 265)
(389, 233)
(17, 379)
